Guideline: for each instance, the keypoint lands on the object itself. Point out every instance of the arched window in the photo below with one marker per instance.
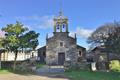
(64, 27)
(58, 28)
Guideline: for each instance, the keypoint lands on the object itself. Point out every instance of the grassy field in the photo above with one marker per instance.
(88, 75)
(39, 65)
(3, 71)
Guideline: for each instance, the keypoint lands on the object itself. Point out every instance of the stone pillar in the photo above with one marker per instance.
(61, 28)
(54, 28)
(66, 27)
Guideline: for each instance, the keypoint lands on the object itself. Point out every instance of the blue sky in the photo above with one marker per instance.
(84, 15)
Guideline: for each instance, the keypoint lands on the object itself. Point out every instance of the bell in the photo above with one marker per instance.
(57, 27)
(63, 25)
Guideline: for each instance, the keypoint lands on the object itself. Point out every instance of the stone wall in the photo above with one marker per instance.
(53, 48)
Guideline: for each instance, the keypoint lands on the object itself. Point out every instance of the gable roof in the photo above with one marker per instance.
(42, 48)
(78, 46)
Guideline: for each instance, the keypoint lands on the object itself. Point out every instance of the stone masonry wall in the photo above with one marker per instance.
(53, 48)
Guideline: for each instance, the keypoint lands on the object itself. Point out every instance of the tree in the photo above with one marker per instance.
(112, 43)
(15, 34)
(29, 40)
(108, 35)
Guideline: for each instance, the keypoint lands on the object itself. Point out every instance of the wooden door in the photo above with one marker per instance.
(61, 58)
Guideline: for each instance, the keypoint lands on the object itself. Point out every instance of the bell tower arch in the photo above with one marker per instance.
(60, 23)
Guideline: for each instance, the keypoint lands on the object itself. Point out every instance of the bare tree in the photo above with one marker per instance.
(107, 35)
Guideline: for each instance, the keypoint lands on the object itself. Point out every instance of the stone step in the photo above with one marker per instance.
(50, 69)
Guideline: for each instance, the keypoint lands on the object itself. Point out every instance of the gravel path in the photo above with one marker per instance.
(45, 73)
(12, 76)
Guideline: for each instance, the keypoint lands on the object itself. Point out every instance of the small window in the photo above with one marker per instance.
(44, 54)
(80, 53)
(61, 44)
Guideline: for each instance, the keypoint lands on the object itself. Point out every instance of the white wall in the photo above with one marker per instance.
(21, 56)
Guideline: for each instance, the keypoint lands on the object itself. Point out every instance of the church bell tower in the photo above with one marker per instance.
(60, 23)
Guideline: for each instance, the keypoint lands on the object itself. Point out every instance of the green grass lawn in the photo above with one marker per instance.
(39, 65)
(3, 71)
(88, 75)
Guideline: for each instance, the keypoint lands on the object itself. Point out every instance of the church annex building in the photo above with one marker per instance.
(61, 47)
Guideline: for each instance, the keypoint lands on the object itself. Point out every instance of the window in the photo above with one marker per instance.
(44, 54)
(80, 53)
(61, 44)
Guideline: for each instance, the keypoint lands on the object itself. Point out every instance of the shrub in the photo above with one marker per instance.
(115, 65)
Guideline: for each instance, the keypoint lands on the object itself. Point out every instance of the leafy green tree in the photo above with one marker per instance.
(15, 39)
(1, 42)
(30, 40)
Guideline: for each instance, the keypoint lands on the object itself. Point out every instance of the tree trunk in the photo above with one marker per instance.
(14, 65)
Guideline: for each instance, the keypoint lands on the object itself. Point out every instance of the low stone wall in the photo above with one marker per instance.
(77, 66)
(7, 64)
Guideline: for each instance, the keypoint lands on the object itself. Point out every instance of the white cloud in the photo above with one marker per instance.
(50, 35)
(34, 17)
(41, 22)
(29, 27)
(72, 34)
(81, 32)
(84, 33)
(45, 22)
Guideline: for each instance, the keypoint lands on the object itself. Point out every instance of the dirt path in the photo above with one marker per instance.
(12, 76)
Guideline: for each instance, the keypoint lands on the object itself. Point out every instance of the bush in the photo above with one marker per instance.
(26, 66)
(115, 65)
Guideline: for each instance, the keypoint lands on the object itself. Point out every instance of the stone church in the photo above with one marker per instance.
(61, 47)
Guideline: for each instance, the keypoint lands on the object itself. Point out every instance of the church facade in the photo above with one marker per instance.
(61, 47)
